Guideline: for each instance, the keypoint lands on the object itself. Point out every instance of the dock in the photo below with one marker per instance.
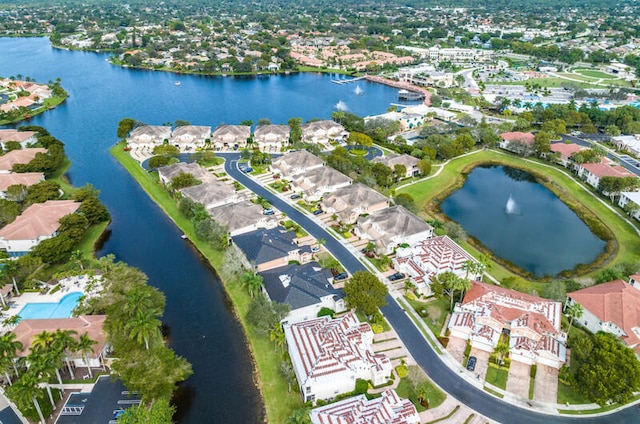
(346, 81)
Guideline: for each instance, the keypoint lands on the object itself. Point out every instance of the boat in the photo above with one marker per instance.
(178, 83)
(184, 237)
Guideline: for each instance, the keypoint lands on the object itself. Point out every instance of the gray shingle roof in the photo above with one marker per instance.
(266, 245)
(170, 171)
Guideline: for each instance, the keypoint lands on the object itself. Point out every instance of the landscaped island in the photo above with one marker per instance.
(20, 100)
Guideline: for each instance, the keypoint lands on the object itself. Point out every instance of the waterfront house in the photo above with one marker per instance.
(190, 136)
(168, 172)
(409, 162)
(315, 183)
(149, 136)
(565, 150)
(226, 136)
(517, 142)
(329, 355)
(305, 288)
(323, 132)
(212, 194)
(352, 201)
(242, 217)
(429, 257)
(593, 172)
(531, 324)
(92, 325)
(294, 163)
(630, 201)
(266, 249)
(24, 138)
(271, 137)
(38, 222)
(22, 156)
(630, 143)
(613, 307)
(26, 179)
(388, 408)
(391, 227)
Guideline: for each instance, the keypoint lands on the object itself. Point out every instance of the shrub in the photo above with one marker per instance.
(361, 387)
(402, 371)
(377, 328)
(326, 312)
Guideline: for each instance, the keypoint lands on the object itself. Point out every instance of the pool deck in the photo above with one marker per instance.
(67, 285)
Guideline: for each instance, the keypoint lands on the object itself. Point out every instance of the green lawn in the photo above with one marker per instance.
(497, 377)
(429, 192)
(278, 403)
(434, 395)
(592, 73)
(566, 395)
(436, 312)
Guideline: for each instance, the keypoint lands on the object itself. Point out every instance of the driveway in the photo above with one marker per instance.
(546, 384)
(519, 376)
(456, 348)
(482, 362)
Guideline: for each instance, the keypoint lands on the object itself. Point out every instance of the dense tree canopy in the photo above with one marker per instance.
(365, 292)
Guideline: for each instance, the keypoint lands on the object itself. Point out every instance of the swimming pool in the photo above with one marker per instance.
(62, 309)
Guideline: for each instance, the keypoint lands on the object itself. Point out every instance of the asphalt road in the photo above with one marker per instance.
(582, 142)
(480, 401)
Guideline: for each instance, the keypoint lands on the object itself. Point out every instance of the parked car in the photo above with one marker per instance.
(247, 169)
(341, 276)
(471, 363)
(315, 249)
(295, 196)
(318, 212)
(397, 276)
(268, 211)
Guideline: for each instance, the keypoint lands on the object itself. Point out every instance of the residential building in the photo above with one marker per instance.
(352, 201)
(212, 194)
(92, 325)
(613, 307)
(22, 156)
(305, 288)
(230, 135)
(593, 172)
(24, 138)
(517, 142)
(565, 151)
(317, 182)
(323, 132)
(630, 143)
(149, 136)
(391, 227)
(294, 163)
(38, 222)
(265, 249)
(242, 217)
(409, 162)
(271, 137)
(190, 135)
(329, 355)
(430, 257)
(531, 323)
(389, 408)
(168, 172)
(26, 179)
(630, 201)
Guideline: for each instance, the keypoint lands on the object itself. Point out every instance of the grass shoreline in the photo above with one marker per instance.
(277, 403)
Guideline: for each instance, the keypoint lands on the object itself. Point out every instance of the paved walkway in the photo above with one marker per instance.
(519, 376)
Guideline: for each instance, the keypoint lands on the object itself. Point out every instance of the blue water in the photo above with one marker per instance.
(201, 324)
(540, 234)
(61, 309)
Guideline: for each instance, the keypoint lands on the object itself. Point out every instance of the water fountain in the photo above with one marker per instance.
(511, 207)
(341, 106)
(358, 91)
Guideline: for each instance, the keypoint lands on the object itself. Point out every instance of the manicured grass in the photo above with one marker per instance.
(497, 377)
(595, 74)
(435, 396)
(88, 243)
(279, 405)
(49, 103)
(437, 311)
(429, 192)
(358, 152)
(566, 395)
(597, 410)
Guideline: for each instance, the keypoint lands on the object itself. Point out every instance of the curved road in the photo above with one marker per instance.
(480, 401)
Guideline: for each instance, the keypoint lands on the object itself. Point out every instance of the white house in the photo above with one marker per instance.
(329, 355)
(225, 136)
(319, 181)
(323, 132)
(26, 179)
(631, 201)
(149, 136)
(409, 162)
(168, 172)
(352, 201)
(517, 142)
(630, 143)
(593, 172)
(213, 194)
(24, 138)
(294, 163)
(271, 137)
(190, 135)
(38, 222)
(242, 217)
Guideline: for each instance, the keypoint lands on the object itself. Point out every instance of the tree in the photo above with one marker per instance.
(183, 180)
(555, 290)
(400, 171)
(124, 127)
(573, 311)
(542, 142)
(454, 230)
(276, 335)
(158, 412)
(85, 347)
(610, 373)
(24, 393)
(424, 166)
(17, 193)
(299, 416)
(9, 348)
(365, 293)
(286, 370)
(92, 209)
(406, 200)
(450, 283)
(209, 230)
(144, 328)
(296, 130)
(252, 282)
(264, 315)
(501, 349)
(41, 192)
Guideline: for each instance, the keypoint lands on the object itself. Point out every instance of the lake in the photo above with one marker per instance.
(200, 319)
(521, 221)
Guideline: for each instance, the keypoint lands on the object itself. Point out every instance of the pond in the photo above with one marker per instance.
(520, 220)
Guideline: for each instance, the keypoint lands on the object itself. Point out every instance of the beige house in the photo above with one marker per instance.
(22, 137)
(352, 201)
(294, 163)
(168, 172)
(271, 137)
(15, 157)
(212, 194)
(38, 222)
(317, 182)
(409, 162)
(391, 227)
(242, 217)
(149, 136)
(323, 132)
(592, 173)
(26, 179)
(190, 136)
(229, 135)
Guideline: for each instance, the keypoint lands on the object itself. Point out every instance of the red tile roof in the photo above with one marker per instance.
(565, 149)
(526, 138)
(604, 169)
(39, 220)
(19, 156)
(27, 179)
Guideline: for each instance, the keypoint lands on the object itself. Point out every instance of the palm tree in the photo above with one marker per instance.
(573, 311)
(85, 346)
(449, 282)
(252, 282)
(144, 328)
(11, 270)
(9, 348)
(64, 344)
(463, 284)
(43, 367)
(501, 349)
(24, 392)
(276, 335)
(11, 321)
